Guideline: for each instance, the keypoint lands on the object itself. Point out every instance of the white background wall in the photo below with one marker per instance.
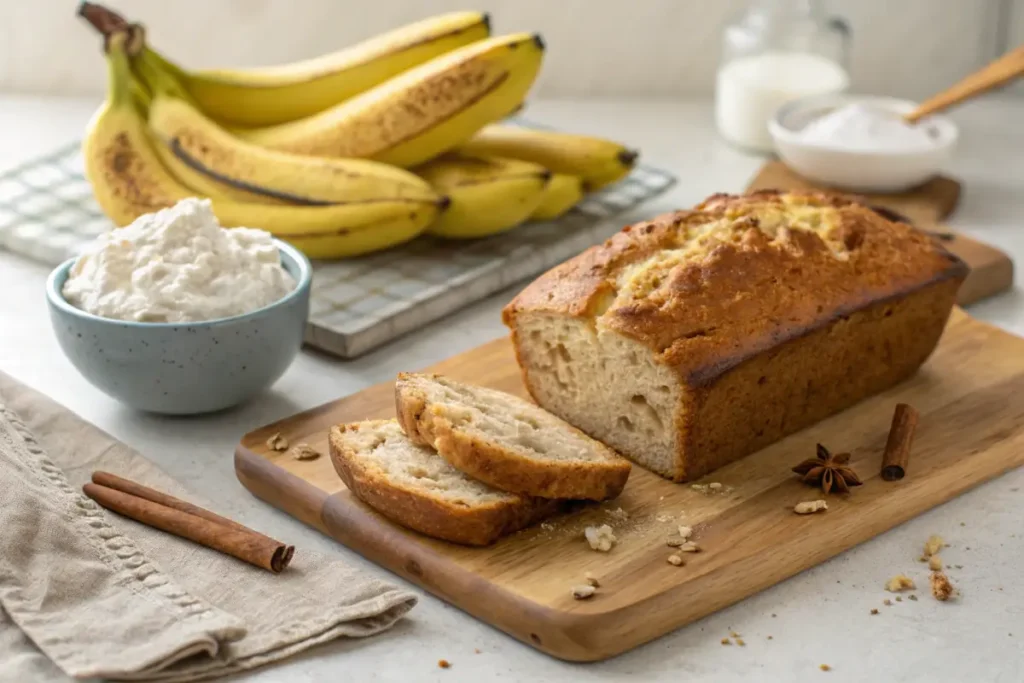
(596, 47)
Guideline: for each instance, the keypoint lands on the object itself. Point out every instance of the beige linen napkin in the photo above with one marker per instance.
(103, 596)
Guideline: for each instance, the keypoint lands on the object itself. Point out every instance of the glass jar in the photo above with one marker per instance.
(779, 50)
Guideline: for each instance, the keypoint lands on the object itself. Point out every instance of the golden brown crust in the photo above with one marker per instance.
(478, 525)
(775, 310)
(502, 468)
(748, 292)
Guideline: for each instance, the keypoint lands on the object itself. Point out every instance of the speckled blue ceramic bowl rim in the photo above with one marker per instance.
(300, 269)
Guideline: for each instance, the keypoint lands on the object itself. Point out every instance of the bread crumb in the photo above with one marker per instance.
(912, 597)
(769, 637)
(663, 518)
(900, 582)
(734, 634)
(600, 538)
(935, 563)
(715, 486)
(824, 667)
(675, 560)
(304, 451)
(689, 547)
(933, 545)
(942, 589)
(582, 592)
(809, 507)
(685, 532)
(618, 513)
(476, 650)
(592, 580)
(726, 641)
(887, 602)
(740, 642)
(874, 610)
(899, 599)
(444, 663)
(277, 442)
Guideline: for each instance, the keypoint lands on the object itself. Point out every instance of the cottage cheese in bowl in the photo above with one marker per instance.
(178, 265)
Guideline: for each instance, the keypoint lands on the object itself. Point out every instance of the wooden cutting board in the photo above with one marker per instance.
(926, 206)
(971, 430)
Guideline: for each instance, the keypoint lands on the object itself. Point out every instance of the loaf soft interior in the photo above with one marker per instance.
(603, 383)
(385, 447)
(508, 421)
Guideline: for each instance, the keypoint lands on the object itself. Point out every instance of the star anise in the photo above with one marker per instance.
(829, 471)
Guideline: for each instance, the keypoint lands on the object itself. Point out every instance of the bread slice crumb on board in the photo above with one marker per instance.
(507, 442)
(413, 486)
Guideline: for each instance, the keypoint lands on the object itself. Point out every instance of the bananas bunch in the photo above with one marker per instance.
(349, 153)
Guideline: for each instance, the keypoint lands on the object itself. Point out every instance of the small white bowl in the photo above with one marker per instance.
(858, 171)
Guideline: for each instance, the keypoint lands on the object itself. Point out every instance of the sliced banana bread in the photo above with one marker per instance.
(505, 441)
(412, 485)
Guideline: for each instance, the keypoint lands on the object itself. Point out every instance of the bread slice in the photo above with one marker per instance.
(505, 441)
(412, 485)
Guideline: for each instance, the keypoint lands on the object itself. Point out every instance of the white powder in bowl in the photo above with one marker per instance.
(862, 128)
(178, 265)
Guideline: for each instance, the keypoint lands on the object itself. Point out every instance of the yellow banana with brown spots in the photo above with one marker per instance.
(421, 113)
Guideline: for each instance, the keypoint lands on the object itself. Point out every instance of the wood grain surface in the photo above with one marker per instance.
(971, 429)
(926, 206)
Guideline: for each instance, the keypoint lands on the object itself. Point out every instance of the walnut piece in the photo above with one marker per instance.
(304, 451)
(942, 589)
(810, 507)
(900, 582)
(582, 592)
(277, 442)
(675, 560)
(600, 538)
(933, 545)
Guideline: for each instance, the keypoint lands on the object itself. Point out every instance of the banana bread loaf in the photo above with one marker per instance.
(701, 336)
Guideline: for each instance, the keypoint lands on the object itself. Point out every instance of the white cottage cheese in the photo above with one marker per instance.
(178, 265)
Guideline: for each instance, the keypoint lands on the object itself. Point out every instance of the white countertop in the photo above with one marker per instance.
(819, 617)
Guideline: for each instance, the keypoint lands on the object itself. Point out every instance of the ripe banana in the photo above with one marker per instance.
(128, 179)
(206, 149)
(562, 193)
(271, 95)
(421, 113)
(598, 162)
(488, 195)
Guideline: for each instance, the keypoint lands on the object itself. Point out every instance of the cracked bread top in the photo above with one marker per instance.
(710, 287)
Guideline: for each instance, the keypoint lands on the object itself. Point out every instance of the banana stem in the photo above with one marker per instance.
(104, 20)
(120, 89)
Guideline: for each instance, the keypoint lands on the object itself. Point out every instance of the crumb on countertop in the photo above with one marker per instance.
(444, 663)
(933, 545)
(935, 563)
(900, 582)
(874, 610)
(942, 589)
(824, 667)
(726, 641)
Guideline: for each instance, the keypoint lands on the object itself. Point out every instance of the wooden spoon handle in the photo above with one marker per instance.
(999, 72)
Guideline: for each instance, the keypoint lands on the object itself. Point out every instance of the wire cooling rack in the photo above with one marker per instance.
(47, 213)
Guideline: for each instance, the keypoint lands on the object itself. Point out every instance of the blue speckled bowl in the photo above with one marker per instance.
(185, 368)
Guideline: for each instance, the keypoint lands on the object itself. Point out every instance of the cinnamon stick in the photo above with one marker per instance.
(203, 527)
(897, 447)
